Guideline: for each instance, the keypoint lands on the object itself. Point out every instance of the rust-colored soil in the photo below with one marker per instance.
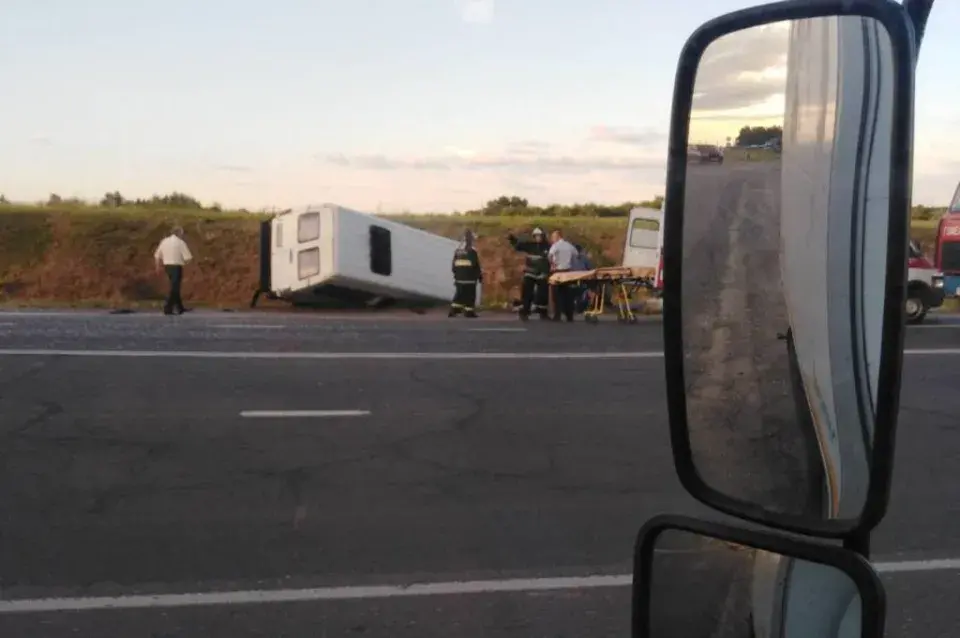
(95, 257)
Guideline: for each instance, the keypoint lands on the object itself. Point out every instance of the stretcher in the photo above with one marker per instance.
(615, 282)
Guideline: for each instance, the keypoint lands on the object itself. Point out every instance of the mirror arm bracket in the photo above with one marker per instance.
(858, 543)
(918, 11)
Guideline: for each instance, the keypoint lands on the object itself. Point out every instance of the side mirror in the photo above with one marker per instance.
(785, 261)
(699, 579)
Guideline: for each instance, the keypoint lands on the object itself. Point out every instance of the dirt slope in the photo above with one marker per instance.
(63, 257)
(52, 256)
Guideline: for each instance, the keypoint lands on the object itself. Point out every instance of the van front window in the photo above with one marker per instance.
(644, 233)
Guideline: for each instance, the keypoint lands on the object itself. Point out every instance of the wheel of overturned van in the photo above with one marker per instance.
(916, 309)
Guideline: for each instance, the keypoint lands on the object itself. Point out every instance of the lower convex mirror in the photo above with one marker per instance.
(702, 580)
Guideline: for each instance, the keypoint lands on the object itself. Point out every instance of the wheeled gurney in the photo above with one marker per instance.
(616, 282)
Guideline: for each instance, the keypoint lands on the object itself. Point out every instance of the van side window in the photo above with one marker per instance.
(280, 235)
(308, 263)
(643, 233)
(308, 227)
(381, 253)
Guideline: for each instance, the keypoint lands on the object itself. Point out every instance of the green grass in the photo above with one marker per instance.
(129, 212)
(23, 242)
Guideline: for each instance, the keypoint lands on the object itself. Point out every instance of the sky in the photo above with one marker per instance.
(378, 105)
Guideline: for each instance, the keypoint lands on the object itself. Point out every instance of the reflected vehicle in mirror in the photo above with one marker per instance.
(706, 580)
(785, 268)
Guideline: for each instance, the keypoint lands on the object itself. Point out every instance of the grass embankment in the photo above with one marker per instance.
(52, 256)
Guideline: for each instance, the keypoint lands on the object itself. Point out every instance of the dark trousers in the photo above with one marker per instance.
(174, 302)
(464, 297)
(534, 295)
(564, 298)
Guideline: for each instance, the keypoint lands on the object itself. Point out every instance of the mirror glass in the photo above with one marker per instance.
(783, 276)
(703, 587)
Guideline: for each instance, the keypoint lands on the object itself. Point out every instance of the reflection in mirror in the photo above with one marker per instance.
(783, 279)
(702, 587)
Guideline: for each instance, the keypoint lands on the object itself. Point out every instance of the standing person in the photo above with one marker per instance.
(171, 256)
(563, 256)
(466, 275)
(584, 291)
(534, 291)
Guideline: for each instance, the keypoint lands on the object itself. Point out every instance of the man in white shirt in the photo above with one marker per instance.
(171, 255)
(562, 255)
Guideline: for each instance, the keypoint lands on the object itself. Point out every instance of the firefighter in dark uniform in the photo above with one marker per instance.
(535, 287)
(466, 275)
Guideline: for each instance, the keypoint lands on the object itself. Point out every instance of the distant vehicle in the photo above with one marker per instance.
(947, 251)
(331, 253)
(924, 285)
(643, 246)
(710, 153)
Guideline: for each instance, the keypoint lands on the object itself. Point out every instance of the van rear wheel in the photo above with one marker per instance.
(916, 308)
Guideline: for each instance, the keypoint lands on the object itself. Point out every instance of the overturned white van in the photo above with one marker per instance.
(328, 254)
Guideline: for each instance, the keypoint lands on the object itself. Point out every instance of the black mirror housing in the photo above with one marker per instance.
(733, 581)
(879, 450)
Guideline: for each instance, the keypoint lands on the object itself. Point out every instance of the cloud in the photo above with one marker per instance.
(627, 135)
(743, 69)
(735, 117)
(526, 157)
(233, 168)
(477, 11)
(529, 147)
(520, 163)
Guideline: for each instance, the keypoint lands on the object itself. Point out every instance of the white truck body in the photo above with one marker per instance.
(331, 252)
(835, 170)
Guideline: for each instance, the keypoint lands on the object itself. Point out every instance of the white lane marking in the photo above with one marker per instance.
(497, 330)
(194, 354)
(931, 565)
(249, 326)
(208, 354)
(933, 351)
(254, 597)
(294, 414)
(259, 597)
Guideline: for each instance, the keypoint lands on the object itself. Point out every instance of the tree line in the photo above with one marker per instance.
(514, 206)
(503, 206)
(758, 135)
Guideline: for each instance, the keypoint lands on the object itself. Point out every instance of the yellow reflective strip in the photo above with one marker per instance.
(463, 262)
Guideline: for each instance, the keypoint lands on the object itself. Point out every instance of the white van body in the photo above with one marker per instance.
(643, 245)
(328, 251)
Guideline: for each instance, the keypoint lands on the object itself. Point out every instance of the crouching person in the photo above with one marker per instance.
(466, 275)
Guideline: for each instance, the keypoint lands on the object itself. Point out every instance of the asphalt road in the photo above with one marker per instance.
(139, 474)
